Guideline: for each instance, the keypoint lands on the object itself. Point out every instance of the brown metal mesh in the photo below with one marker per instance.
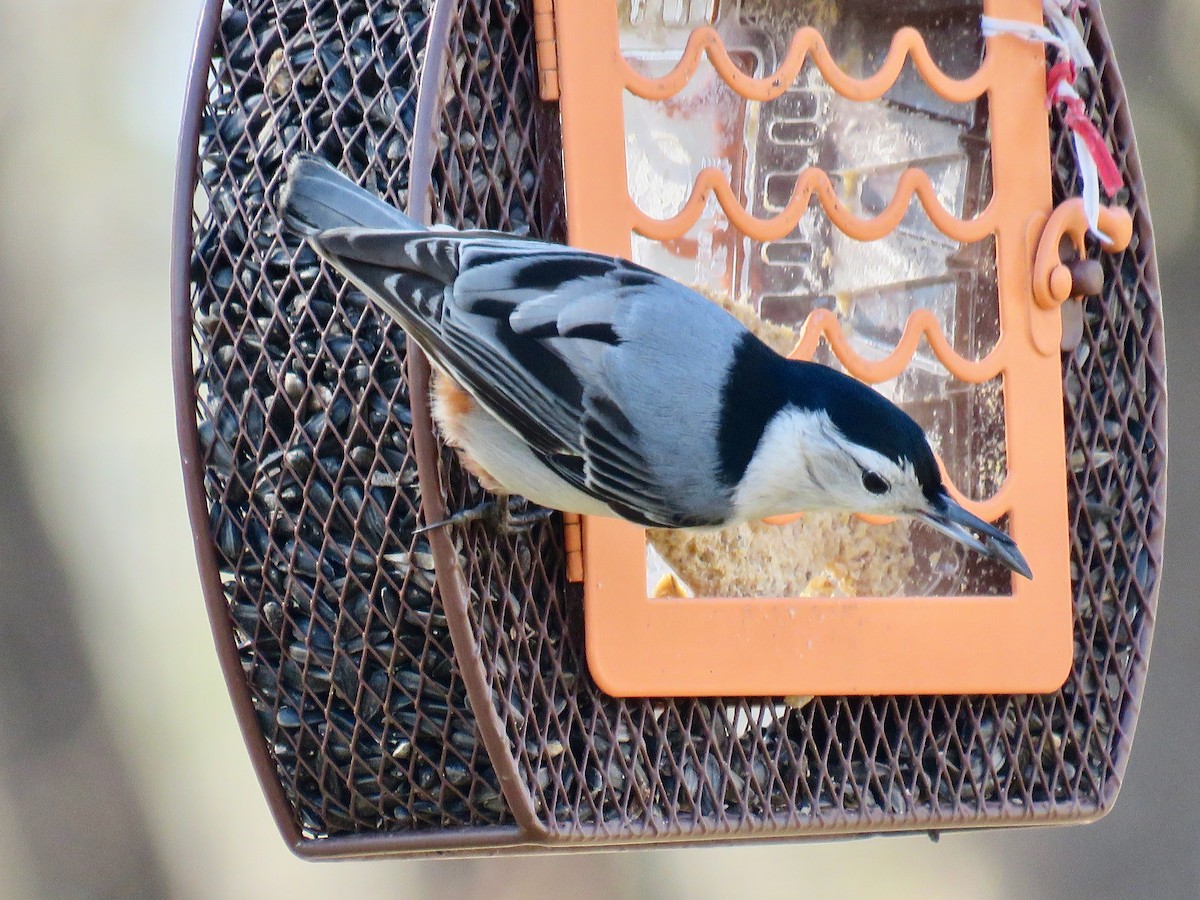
(325, 602)
(596, 766)
(305, 432)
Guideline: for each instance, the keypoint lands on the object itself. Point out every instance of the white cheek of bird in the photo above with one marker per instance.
(806, 464)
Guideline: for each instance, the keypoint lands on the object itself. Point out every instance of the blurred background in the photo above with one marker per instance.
(122, 772)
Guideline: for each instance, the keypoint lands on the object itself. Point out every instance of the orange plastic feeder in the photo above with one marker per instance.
(404, 693)
(639, 645)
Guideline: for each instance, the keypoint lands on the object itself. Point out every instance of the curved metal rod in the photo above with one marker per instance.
(1114, 93)
(451, 582)
(187, 430)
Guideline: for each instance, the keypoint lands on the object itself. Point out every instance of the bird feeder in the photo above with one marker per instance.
(875, 185)
(769, 135)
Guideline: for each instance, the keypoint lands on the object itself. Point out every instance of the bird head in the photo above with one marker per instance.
(834, 443)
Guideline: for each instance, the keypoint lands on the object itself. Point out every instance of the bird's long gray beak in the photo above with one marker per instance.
(951, 519)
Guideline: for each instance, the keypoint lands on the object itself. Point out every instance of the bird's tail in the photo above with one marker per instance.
(318, 197)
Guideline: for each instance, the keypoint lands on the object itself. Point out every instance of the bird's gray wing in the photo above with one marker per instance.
(530, 331)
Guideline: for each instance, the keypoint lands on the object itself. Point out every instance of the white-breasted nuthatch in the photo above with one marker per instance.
(589, 384)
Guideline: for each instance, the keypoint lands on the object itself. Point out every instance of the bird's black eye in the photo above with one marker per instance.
(874, 482)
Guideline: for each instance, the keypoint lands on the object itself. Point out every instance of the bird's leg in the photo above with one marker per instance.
(497, 513)
(514, 523)
(481, 512)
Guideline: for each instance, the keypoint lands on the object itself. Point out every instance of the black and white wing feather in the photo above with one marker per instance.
(568, 349)
(534, 332)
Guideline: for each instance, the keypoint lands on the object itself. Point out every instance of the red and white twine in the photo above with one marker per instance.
(1097, 168)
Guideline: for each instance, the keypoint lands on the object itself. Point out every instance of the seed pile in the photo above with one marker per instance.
(305, 424)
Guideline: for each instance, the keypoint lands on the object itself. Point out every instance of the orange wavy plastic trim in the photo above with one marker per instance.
(814, 182)
(638, 646)
(906, 44)
(823, 323)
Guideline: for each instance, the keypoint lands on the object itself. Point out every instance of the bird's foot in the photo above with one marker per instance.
(498, 513)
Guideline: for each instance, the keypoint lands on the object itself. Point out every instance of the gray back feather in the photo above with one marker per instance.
(668, 375)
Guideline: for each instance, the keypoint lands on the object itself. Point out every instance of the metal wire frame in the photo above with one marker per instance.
(572, 767)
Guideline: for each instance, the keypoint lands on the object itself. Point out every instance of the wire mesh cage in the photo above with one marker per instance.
(403, 693)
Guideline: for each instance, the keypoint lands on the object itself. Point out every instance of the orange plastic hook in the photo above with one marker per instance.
(1052, 278)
